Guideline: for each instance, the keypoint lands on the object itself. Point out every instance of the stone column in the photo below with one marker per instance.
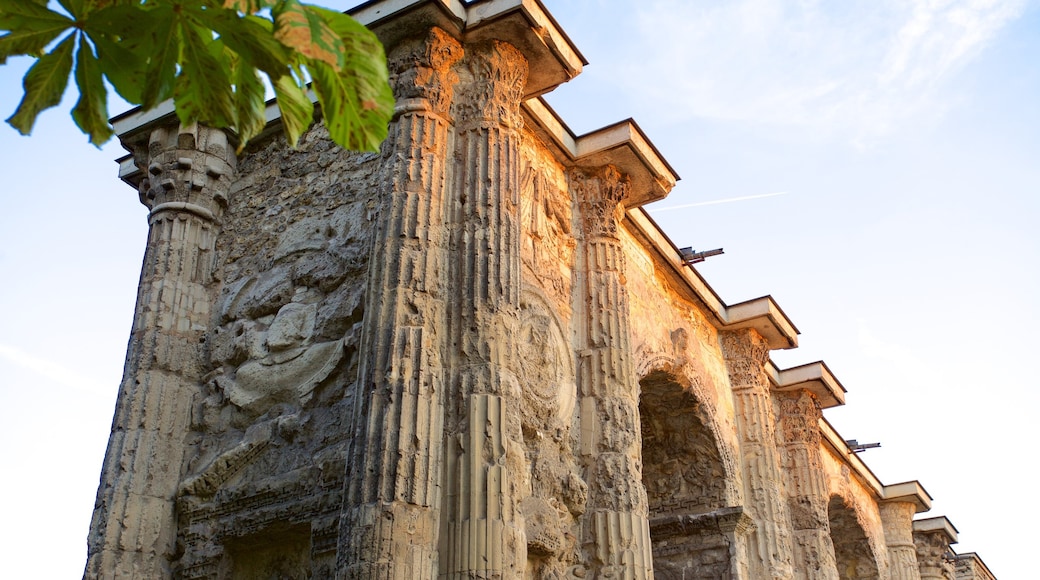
(746, 354)
(484, 459)
(134, 528)
(615, 523)
(807, 492)
(897, 520)
(932, 539)
(389, 526)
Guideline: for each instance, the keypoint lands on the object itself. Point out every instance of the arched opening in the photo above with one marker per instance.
(851, 547)
(685, 481)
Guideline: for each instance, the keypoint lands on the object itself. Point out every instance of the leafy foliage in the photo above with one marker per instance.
(208, 56)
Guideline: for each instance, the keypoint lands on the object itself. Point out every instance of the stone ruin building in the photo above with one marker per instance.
(471, 355)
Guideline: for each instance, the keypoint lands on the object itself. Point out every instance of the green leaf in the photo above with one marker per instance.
(76, 8)
(249, 38)
(296, 108)
(249, 102)
(91, 111)
(302, 28)
(353, 123)
(124, 68)
(19, 14)
(161, 69)
(202, 91)
(32, 27)
(357, 102)
(124, 40)
(44, 85)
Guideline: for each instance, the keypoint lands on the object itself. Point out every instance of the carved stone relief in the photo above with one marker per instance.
(547, 245)
(558, 495)
(282, 330)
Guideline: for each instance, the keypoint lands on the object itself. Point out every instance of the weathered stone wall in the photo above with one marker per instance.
(463, 356)
(270, 426)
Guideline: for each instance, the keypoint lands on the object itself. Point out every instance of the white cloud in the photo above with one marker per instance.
(857, 69)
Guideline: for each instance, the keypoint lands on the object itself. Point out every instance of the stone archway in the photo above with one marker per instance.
(686, 484)
(852, 551)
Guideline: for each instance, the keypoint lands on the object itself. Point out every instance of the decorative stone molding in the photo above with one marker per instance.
(601, 191)
(421, 70)
(189, 169)
(495, 74)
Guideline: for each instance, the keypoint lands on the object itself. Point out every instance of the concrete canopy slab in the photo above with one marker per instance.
(939, 524)
(765, 316)
(814, 377)
(908, 492)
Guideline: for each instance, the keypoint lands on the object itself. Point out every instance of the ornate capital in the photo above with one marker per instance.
(744, 344)
(421, 68)
(800, 414)
(600, 190)
(746, 354)
(495, 76)
(189, 168)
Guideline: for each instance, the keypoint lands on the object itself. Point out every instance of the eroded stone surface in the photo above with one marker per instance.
(460, 357)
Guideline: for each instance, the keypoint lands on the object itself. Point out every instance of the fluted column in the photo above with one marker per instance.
(134, 528)
(615, 524)
(484, 456)
(897, 520)
(807, 493)
(746, 354)
(389, 526)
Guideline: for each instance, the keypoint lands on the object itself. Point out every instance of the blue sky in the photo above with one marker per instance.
(904, 135)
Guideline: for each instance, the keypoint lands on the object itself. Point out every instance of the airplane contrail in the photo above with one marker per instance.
(717, 201)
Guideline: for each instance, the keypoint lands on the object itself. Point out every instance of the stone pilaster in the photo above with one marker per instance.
(807, 493)
(389, 526)
(615, 525)
(484, 458)
(134, 529)
(897, 520)
(746, 354)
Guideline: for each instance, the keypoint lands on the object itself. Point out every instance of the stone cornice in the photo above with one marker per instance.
(525, 24)
(623, 145)
(765, 316)
(814, 377)
(908, 492)
(937, 525)
(977, 561)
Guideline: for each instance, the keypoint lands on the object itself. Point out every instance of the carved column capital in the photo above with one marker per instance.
(746, 354)
(933, 549)
(496, 75)
(600, 191)
(800, 412)
(189, 168)
(421, 73)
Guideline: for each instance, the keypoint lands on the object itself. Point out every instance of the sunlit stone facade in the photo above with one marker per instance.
(470, 355)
